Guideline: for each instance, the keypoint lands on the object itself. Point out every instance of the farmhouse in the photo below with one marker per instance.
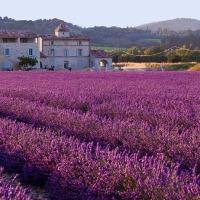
(58, 51)
(14, 44)
(63, 51)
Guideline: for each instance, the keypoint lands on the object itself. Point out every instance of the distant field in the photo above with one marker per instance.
(145, 42)
(153, 40)
(108, 49)
(128, 66)
(195, 68)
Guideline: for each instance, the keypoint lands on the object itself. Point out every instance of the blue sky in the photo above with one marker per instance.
(102, 12)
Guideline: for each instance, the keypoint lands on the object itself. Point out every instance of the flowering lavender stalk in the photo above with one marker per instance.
(154, 114)
(69, 167)
(136, 135)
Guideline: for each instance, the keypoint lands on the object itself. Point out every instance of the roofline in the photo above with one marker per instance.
(99, 56)
(66, 38)
(13, 37)
(12, 34)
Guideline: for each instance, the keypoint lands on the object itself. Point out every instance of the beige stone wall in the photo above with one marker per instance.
(62, 34)
(20, 49)
(72, 47)
(58, 62)
(65, 42)
(59, 50)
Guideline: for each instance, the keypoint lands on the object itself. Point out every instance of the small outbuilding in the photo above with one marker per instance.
(100, 60)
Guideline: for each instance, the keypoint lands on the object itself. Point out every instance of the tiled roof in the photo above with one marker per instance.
(99, 54)
(53, 37)
(17, 34)
(62, 28)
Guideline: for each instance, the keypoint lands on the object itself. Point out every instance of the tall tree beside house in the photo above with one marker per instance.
(26, 63)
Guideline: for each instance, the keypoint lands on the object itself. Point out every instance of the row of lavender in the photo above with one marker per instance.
(74, 170)
(179, 142)
(143, 116)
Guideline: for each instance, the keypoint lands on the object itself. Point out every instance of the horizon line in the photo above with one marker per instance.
(73, 23)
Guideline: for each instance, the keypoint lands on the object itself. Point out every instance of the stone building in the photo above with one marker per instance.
(57, 51)
(14, 44)
(62, 51)
(100, 60)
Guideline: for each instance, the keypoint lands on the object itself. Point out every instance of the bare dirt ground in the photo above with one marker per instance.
(129, 66)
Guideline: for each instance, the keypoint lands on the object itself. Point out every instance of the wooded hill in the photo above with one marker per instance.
(177, 25)
(113, 36)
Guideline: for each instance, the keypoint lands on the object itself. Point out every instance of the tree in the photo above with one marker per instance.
(26, 63)
(133, 51)
(153, 50)
(173, 57)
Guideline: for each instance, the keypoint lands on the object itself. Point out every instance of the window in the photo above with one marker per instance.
(52, 52)
(80, 52)
(23, 40)
(7, 52)
(66, 64)
(79, 43)
(92, 63)
(27, 40)
(30, 52)
(9, 40)
(66, 52)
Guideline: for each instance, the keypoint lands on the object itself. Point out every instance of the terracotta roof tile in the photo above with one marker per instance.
(53, 37)
(99, 54)
(17, 34)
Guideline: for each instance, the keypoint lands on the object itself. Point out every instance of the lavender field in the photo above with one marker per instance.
(117, 136)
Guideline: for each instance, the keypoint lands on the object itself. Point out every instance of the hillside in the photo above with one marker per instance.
(119, 37)
(40, 26)
(177, 25)
(100, 36)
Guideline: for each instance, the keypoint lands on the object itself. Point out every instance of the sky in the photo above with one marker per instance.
(88, 13)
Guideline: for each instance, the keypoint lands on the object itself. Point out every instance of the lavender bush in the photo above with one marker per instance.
(67, 167)
(149, 121)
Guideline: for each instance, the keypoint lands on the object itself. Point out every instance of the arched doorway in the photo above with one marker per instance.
(103, 64)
